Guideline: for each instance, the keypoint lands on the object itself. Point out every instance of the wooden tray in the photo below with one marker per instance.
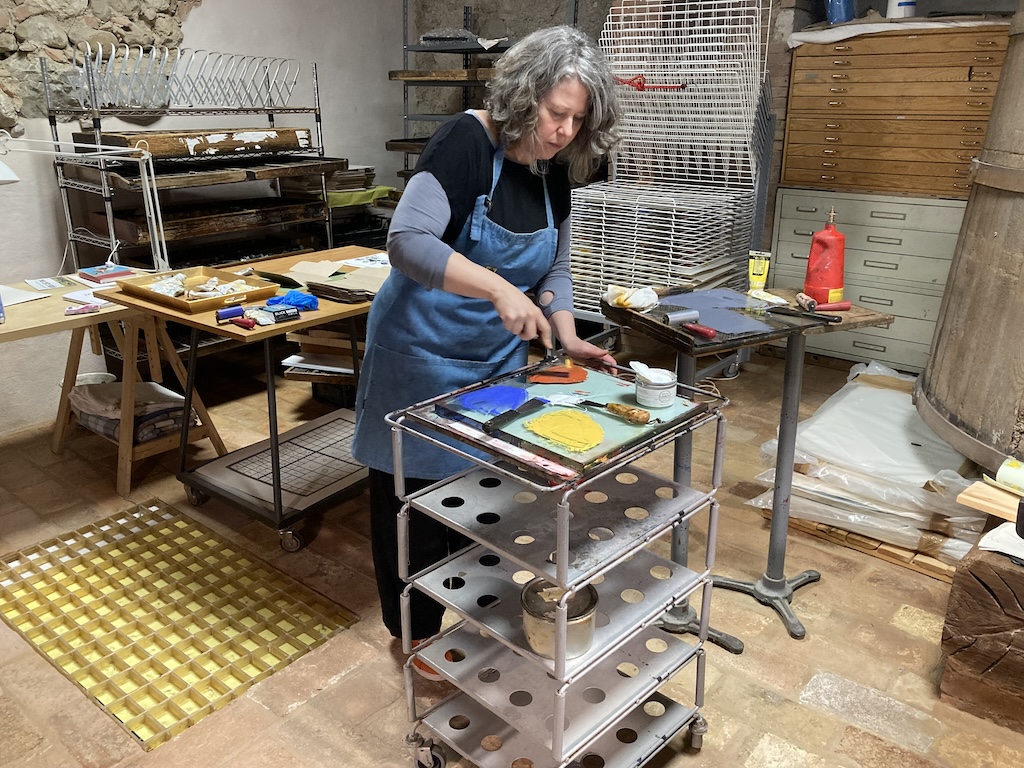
(202, 219)
(140, 286)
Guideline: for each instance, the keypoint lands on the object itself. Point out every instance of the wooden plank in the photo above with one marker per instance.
(880, 153)
(405, 145)
(845, 89)
(990, 500)
(206, 142)
(285, 168)
(903, 167)
(905, 558)
(467, 76)
(941, 42)
(975, 106)
(212, 219)
(889, 74)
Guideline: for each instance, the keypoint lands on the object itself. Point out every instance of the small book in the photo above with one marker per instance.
(86, 297)
(105, 273)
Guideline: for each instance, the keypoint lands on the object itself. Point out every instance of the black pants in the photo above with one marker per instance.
(429, 542)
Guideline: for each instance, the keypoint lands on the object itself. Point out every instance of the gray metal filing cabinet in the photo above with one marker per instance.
(898, 253)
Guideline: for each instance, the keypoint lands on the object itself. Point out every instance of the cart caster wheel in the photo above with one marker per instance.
(195, 497)
(291, 541)
(695, 734)
(437, 759)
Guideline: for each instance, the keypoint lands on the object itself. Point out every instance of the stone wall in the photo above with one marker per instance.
(59, 29)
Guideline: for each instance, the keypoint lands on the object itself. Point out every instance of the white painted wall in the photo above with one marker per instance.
(353, 42)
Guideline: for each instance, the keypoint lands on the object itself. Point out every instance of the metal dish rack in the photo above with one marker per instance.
(592, 527)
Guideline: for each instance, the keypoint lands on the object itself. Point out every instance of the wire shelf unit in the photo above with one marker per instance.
(682, 202)
(158, 77)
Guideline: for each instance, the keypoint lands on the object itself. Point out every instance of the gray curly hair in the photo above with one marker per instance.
(535, 65)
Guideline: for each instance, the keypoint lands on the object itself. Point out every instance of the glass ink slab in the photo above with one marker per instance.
(460, 415)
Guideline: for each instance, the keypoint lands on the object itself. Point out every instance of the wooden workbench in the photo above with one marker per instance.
(218, 477)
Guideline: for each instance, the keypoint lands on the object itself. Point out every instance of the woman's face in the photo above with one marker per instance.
(560, 116)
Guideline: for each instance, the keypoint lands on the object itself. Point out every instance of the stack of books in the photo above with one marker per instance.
(105, 273)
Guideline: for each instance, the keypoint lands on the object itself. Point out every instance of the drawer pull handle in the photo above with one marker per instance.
(803, 233)
(977, 103)
(828, 178)
(871, 347)
(983, 58)
(837, 90)
(985, 42)
(966, 158)
(829, 165)
(970, 129)
(962, 171)
(840, 63)
(807, 209)
(969, 143)
(829, 152)
(885, 240)
(961, 186)
(841, 103)
(840, 76)
(875, 300)
(836, 138)
(847, 48)
(981, 73)
(881, 265)
(833, 125)
(891, 215)
(978, 89)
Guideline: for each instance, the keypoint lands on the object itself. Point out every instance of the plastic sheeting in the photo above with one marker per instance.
(876, 431)
(871, 466)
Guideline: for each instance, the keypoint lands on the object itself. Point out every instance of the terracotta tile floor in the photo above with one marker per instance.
(859, 690)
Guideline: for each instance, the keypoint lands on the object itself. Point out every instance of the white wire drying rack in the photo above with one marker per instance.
(681, 206)
(158, 77)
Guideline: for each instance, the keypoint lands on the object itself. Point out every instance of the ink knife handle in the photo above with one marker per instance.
(504, 419)
(700, 330)
(802, 313)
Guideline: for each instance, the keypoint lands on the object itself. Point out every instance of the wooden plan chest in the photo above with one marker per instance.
(900, 112)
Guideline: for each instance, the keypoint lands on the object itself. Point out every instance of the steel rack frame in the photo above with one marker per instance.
(574, 529)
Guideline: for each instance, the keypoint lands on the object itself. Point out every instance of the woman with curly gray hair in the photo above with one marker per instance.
(479, 246)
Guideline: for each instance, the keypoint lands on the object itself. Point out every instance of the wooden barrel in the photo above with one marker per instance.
(972, 391)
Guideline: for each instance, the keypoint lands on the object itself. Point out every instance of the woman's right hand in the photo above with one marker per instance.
(521, 316)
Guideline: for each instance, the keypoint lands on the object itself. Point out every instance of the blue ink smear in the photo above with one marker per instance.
(494, 400)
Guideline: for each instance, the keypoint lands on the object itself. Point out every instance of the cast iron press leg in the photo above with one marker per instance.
(683, 619)
(773, 588)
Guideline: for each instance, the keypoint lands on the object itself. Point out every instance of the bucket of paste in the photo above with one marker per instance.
(656, 388)
(540, 599)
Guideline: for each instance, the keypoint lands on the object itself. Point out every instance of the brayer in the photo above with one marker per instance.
(680, 316)
(225, 315)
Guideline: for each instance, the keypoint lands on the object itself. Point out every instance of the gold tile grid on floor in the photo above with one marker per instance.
(157, 618)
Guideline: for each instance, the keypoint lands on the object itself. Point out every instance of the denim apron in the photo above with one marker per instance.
(422, 343)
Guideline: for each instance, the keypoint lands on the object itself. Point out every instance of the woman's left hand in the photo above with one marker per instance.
(581, 350)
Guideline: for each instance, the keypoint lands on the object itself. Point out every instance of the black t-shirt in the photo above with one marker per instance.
(460, 156)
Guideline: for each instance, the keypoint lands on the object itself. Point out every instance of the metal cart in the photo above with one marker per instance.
(290, 475)
(575, 528)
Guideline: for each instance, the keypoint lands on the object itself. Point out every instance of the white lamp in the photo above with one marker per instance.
(7, 176)
(96, 155)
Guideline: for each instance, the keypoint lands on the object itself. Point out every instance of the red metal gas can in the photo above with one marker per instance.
(824, 280)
